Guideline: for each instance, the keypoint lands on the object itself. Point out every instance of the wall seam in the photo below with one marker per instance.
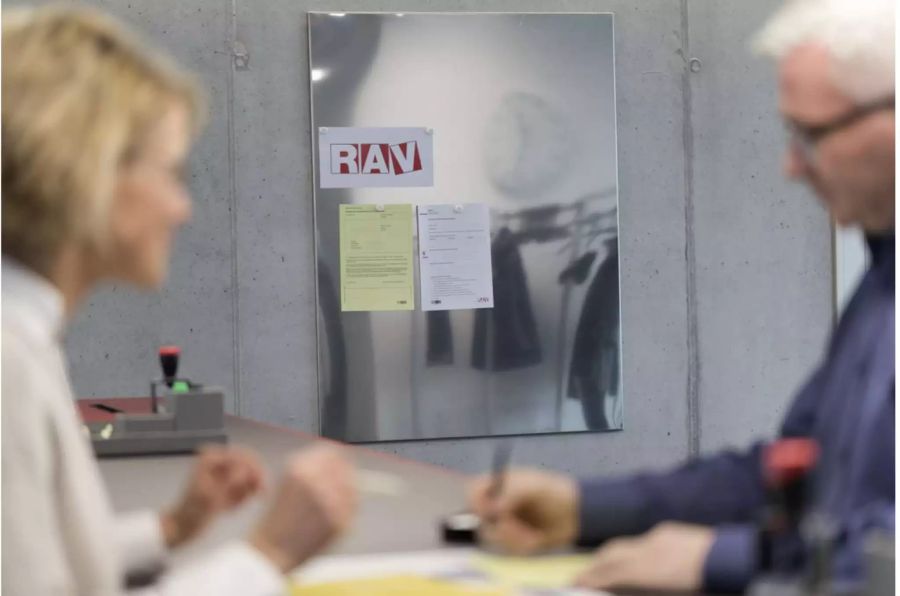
(235, 281)
(693, 371)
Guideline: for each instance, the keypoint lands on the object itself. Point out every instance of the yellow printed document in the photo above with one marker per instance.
(548, 571)
(376, 257)
(397, 585)
(443, 572)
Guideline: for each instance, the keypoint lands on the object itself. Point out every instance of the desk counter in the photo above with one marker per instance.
(408, 521)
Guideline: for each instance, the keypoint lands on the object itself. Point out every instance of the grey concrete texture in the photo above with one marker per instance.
(726, 268)
(763, 246)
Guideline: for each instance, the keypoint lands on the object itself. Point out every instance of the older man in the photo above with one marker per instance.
(836, 90)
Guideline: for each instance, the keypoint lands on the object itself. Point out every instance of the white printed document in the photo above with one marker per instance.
(455, 257)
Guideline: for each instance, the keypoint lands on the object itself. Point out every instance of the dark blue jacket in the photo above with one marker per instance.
(847, 406)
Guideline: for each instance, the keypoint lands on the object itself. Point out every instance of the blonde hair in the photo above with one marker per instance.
(79, 94)
(858, 34)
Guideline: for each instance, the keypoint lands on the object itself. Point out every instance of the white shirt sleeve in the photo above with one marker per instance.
(58, 532)
(31, 538)
(236, 569)
(140, 542)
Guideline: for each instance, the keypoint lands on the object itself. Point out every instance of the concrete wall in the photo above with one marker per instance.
(726, 269)
(762, 275)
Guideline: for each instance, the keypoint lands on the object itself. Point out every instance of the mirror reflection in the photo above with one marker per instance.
(523, 113)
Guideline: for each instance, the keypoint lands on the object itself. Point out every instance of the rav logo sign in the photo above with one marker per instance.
(375, 157)
(369, 158)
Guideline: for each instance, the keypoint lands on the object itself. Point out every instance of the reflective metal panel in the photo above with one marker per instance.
(523, 112)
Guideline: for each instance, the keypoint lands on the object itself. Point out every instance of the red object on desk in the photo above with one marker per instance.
(789, 460)
(168, 361)
(104, 409)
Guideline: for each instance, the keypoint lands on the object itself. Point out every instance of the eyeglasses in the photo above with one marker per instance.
(806, 138)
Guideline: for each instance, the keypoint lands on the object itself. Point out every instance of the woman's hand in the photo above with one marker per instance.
(314, 504)
(222, 479)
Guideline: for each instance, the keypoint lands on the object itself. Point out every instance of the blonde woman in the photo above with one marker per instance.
(96, 129)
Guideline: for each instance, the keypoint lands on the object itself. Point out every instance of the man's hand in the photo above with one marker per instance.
(222, 479)
(314, 504)
(669, 557)
(534, 511)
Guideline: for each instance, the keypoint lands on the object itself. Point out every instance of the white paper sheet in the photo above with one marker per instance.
(435, 563)
(455, 257)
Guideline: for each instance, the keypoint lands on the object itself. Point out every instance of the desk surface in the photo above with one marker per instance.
(407, 522)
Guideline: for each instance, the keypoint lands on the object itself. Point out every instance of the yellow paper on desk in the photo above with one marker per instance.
(549, 571)
(398, 585)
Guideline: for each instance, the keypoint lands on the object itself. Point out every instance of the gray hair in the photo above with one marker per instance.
(858, 34)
